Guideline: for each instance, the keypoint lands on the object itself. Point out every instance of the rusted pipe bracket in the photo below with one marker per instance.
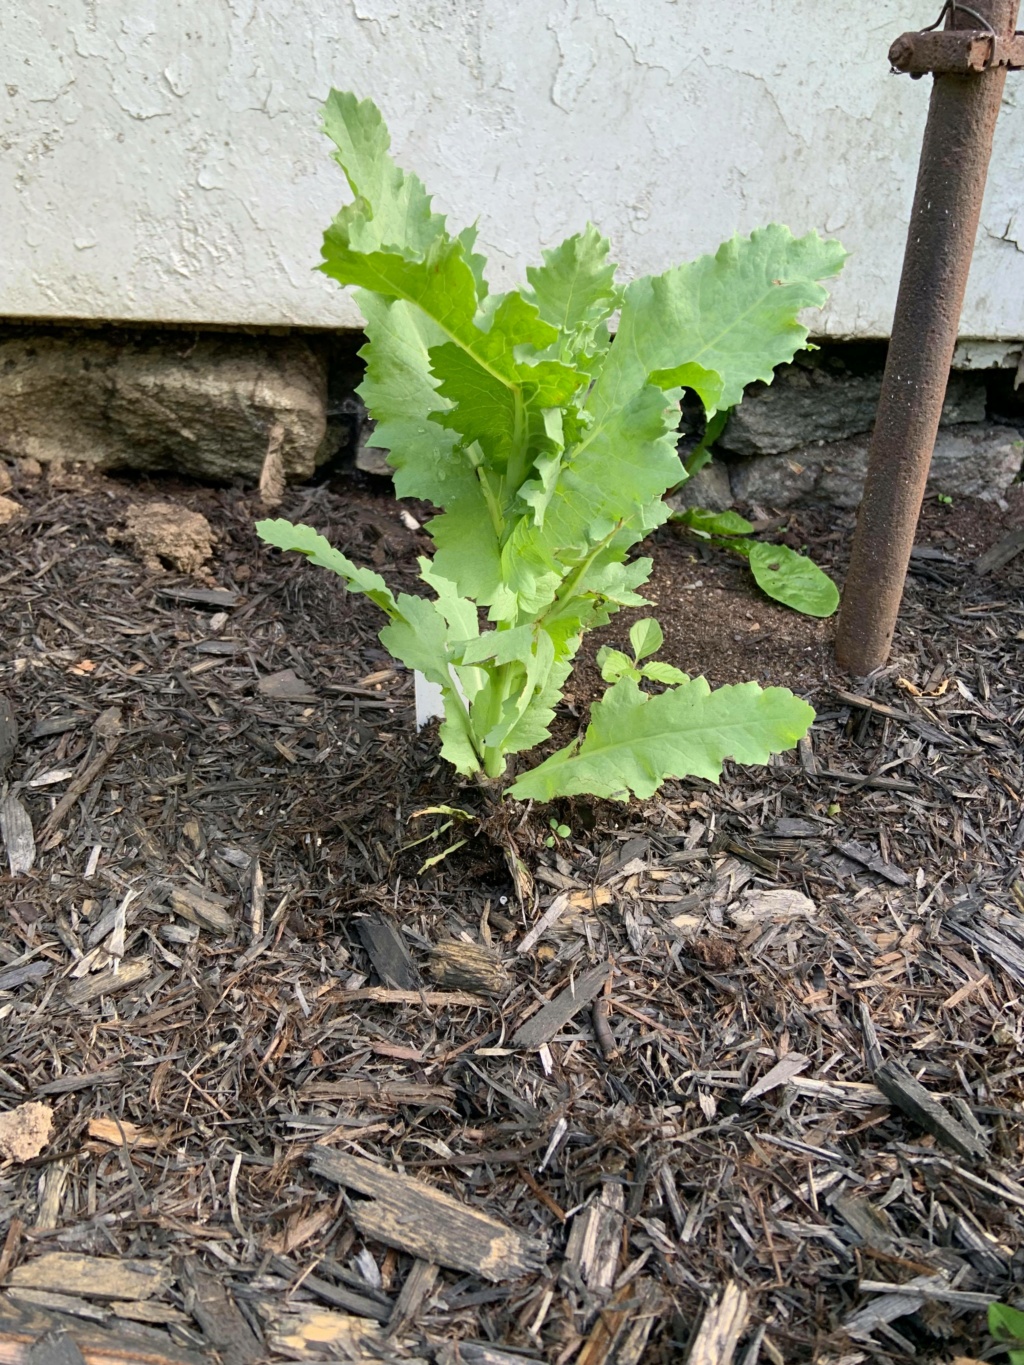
(955, 52)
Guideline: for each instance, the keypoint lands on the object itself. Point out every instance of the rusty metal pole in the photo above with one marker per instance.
(943, 222)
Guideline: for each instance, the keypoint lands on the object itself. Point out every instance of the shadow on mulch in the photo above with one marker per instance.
(247, 1004)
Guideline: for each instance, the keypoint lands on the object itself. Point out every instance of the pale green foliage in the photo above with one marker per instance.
(634, 741)
(549, 451)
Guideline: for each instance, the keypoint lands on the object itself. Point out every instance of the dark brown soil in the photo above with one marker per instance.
(228, 960)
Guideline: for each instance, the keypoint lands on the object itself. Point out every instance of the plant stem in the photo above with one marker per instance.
(493, 754)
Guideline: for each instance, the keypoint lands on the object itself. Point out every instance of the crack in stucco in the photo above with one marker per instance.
(1006, 235)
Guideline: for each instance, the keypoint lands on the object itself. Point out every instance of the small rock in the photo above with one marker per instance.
(9, 509)
(6, 482)
(25, 1131)
(28, 468)
(371, 459)
(163, 531)
(778, 905)
(285, 685)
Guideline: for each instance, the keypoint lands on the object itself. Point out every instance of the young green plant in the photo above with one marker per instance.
(790, 578)
(548, 450)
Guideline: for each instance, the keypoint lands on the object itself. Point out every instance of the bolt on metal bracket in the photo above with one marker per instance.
(955, 52)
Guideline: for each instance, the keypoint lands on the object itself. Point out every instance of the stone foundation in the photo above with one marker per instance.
(204, 406)
(210, 405)
(804, 439)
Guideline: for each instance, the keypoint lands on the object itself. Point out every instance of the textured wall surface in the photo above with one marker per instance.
(161, 159)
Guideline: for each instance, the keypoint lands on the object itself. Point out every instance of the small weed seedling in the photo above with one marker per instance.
(557, 832)
(549, 451)
(791, 578)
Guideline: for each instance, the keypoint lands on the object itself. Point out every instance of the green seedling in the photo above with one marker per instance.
(557, 832)
(790, 578)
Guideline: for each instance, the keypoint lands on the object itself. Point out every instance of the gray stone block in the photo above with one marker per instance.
(977, 459)
(814, 404)
(709, 487)
(202, 408)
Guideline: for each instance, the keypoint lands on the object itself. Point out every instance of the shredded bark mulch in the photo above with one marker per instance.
(292, 1070)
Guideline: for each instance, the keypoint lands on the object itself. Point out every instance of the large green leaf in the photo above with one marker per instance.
(392, 208)
(634, 741)
(401, 393)
(1007, 1325)
(734, 313)
(793, 579)
(547, 450)
(726, 523)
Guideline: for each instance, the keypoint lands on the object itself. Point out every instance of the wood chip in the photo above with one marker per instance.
(109, 982)
(31, 1335)
(595, 1240)
(119, 1133)
(414, 1217)
(306, 1332)
(721, 1328)
(867, 857)
(783, 1071)
(778, 906)
(387, 950)
(8, 734)
(550, 916)
(19, 976)
(216, 1312)
(220, 598)
(468, 966)
(417, 1288)
(909, 1095)
(201, 907)
(552, 1018)
(622, 1328)
(387, 1092)
(16, 831)
(1000, 554)
(384, 995)
(93, 1277)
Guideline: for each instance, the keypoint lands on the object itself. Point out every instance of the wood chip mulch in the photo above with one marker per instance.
(738, 1077)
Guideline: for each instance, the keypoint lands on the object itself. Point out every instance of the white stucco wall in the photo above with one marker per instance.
(161, 160)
